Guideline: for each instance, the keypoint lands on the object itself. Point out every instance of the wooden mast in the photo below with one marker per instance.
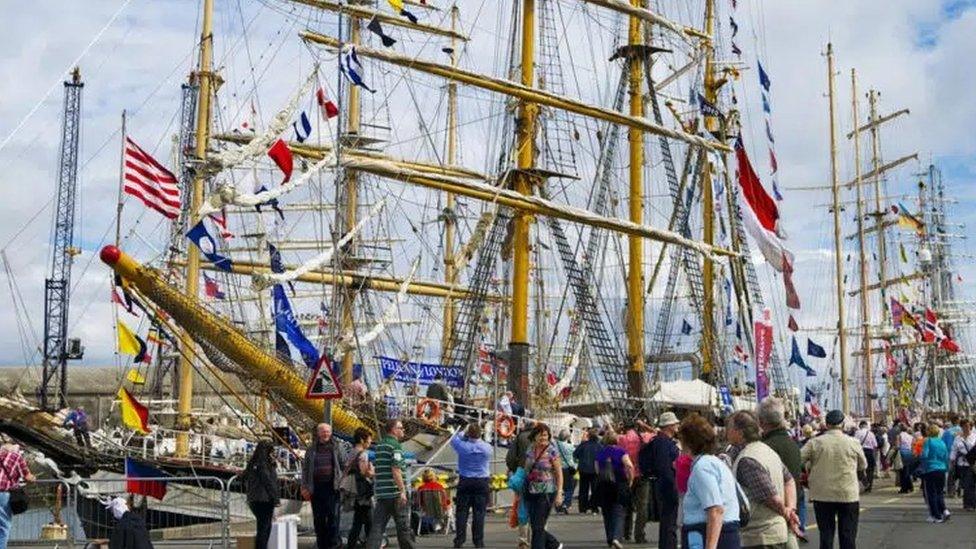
(635, 263)
(518, 380)
(450, 222)
(192, 287)
(838, 265)
(350, 204)
(862, 254)
(708, 206)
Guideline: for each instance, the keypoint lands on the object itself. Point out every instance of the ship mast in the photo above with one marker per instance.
(863, 264)
(350, 204)
(450, 220)
(525, 146)
(708, 200)
(838, 267)
(192, 288)
(635, 269)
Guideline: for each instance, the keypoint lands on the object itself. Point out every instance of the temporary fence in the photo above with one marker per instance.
(194, 510)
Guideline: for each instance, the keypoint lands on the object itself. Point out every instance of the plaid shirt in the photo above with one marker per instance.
(13, 469)
(754, 478)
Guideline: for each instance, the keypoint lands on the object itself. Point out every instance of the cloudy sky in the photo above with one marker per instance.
(134, 55)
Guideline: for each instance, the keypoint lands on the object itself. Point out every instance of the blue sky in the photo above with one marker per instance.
(917, 54)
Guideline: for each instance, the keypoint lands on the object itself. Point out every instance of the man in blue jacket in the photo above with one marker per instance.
(656, 463)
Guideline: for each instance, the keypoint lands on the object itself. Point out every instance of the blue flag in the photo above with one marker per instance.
(763, 77)
(273, 203)
(815, 350)
(685, 327)
(277, 266)
(797, 358)
(810, 396)
(208, 246)
(729, 319)
(765, 101)
(286, 323)
(303, 128)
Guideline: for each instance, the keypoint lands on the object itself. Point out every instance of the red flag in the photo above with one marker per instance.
(328, 108)
(792, 324)
(950, 345)
(281, 154)
(792, 299)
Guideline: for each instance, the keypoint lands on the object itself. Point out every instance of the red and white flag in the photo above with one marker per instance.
(146, 179)
(760, 214)
(328, 108)
(220, 220)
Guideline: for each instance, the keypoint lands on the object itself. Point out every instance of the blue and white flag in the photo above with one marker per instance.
(286, 323)
(278, 266)
(707, 108)
(350, 66)
(763, 77)
(208, 246)
(685, 327)
(765, 101)
(729, 319)
(303, 128)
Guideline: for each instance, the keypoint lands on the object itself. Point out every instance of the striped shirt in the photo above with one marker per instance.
(13, 470)
(389, 455)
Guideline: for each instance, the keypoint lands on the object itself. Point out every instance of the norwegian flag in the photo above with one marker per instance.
(933, 332)
(149, 181)
(211, 288)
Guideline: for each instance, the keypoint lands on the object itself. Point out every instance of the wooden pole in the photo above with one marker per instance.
(863, 261)
(635, 262)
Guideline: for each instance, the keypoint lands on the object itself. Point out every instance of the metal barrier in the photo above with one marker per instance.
(194, 510)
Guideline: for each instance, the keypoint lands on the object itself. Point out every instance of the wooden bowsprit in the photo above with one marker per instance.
(323, 384)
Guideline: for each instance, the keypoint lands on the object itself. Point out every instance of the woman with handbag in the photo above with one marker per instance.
(261, 484)
(13, 501)
(357, 486)
(615, 476)
(543, 485)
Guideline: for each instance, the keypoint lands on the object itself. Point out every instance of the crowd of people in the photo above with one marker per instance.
(747, 480)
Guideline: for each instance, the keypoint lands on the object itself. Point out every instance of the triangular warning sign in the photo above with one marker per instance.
(323, 383)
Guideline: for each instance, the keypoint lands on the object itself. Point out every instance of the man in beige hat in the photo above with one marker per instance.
(656, 465)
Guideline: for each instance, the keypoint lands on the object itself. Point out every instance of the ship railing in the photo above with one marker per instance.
(161, 442)
(194, 511)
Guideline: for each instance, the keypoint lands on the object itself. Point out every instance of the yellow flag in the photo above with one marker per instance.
(135, 377)
(396, 5)
(131, 344)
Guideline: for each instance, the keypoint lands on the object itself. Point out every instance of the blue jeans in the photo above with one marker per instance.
(5, 517)
(569, 486)
(801, 507)
(613, 522)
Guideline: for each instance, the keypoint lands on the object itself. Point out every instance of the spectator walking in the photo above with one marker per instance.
(321, 475)
(766, 482)
(359, 467)
(656, 463)
(261, 484)
(772, 421)
(13, 473)
(585, 455)
(962, 446)
(869, 445)
(566, 449)
(390, 488)
(544, 484)
(710, 512)
(834, 460)
(635, 436)
(904, 440)
(474, 457)
(615, 476)
(933, 463)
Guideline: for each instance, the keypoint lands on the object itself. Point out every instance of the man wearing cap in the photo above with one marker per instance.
(834, 460)
(656, 463)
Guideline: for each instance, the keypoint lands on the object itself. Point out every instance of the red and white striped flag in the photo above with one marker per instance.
(220, 220)
(150, 182)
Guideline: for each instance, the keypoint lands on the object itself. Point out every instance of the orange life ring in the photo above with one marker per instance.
(429, 410)
(504, 426)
